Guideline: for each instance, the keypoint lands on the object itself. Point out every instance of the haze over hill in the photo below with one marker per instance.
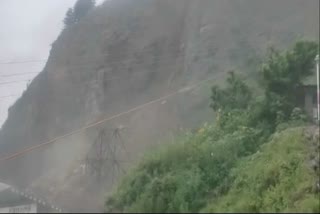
(26, 36)
(127, 52)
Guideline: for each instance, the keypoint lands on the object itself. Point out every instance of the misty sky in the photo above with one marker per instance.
(27, 29)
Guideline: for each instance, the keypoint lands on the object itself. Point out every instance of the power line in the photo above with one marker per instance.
(84, 65)
(8, 96)
(122, 63)
(19, 74)
(94, 61)
(113, 78)
(114, 62)
(132, 58)
(26, 150)
(23, 62)
(105, 80)
(13, 82)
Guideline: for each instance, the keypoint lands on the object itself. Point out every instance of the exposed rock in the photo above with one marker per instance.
(129, 52)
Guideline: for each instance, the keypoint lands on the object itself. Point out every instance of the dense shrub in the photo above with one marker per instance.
(181, 177)
(275, 179)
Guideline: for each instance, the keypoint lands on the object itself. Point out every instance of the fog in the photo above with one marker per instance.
(27, 30)
(132, 78)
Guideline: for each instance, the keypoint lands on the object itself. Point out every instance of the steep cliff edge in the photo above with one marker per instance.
(125, 53)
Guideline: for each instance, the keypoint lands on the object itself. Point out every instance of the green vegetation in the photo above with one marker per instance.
(272, 180)
(179, 177)
(282, 74)
(249, 160)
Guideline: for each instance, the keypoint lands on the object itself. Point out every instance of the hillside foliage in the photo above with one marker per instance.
(274, 179)
(247, 161)
(80, 10)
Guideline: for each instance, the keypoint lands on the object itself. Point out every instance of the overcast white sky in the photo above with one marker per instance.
(27, 29)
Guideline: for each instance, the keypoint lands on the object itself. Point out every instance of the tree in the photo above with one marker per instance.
(283, 73)
(81, 8)
(236, 95)
(69, 19)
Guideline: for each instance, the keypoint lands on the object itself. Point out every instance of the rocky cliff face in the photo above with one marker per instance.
(129, 52)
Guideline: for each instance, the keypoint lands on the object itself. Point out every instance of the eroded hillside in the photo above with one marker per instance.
(125, 53)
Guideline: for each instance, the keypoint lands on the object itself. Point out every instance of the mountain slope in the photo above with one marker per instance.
(128, 52)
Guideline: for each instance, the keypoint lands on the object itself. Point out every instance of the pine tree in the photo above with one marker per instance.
(69, 19)
(81, 8)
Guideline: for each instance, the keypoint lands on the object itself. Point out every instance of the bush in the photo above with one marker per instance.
(275, 179)
(181, 177)
(236, 95)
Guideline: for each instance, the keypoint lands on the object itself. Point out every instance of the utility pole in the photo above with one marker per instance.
(318, 89)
